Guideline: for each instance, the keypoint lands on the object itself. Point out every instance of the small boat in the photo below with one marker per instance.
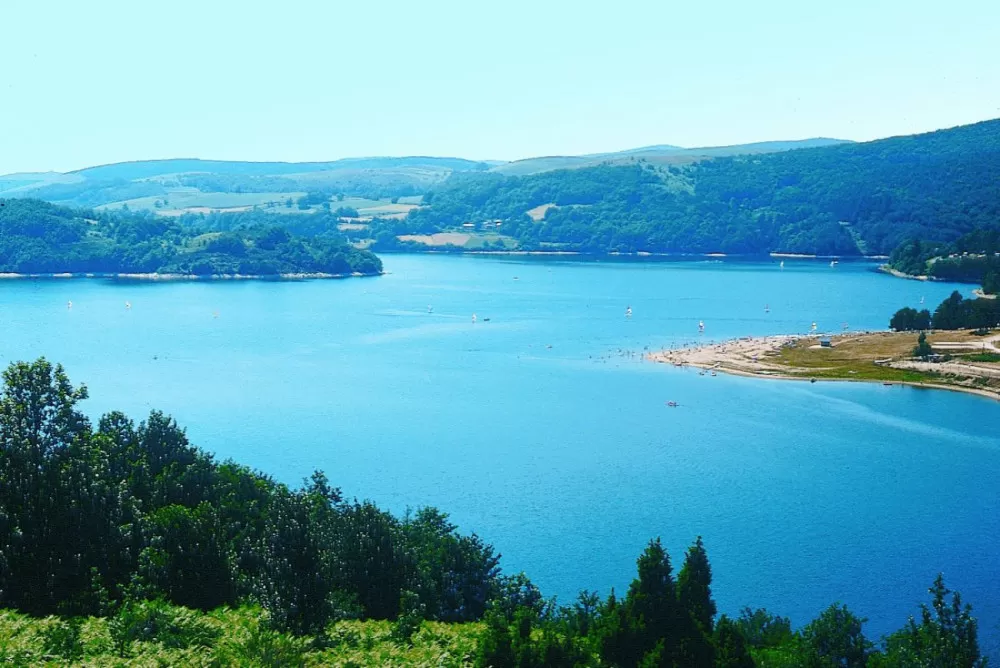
(516, 278)
(781, 265)
(833, 263)
(628, 311)
(486, 319)
(128, 306)
(713, 373)
(473, 318)
(767, 308)
(921, 300)
(673, 404)
(69, 305)
(701, 326)
(887, 384)
(430, 309)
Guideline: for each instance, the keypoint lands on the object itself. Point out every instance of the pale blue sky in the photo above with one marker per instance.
(96, 81)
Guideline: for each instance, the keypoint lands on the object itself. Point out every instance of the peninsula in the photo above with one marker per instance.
(960, 360)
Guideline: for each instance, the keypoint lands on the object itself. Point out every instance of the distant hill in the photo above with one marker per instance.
(145, 169)
(147, 181)
(141, 184)
(844, 198)
(659, 154)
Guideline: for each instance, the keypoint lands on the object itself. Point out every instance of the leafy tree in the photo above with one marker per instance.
(923, 349)
(946, 635)
(991, 283)
(730, 645)
(908, 319)
(835, 639)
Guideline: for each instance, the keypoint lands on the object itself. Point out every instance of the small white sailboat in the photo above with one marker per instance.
(473, 318)
(767, 308)
(430, 309)
(701, 326)
(814, 327)
(69, 305)
(628, 311)
(781, 265)
(128, 306)
(921, 300)
(833, 263)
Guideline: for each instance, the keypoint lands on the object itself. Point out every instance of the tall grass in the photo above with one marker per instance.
(154, 633)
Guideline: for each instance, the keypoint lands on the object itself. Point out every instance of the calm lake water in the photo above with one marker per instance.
(533, 430)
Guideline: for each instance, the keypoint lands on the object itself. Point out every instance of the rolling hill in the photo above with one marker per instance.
(841, 199)
(158, 180)
(659, 154)
(141, 184)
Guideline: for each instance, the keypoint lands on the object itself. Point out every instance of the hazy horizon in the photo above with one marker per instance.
(113, 81)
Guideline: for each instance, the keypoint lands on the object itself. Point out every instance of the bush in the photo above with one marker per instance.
(157, 621)
(411, 617)
(923, 349)
(61, 640)
(264, 648)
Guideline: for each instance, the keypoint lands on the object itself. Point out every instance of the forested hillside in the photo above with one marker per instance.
(847, 199)
(38, 237)
(113, 526)
(972, 258)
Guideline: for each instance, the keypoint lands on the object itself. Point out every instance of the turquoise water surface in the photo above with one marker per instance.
(542, 430)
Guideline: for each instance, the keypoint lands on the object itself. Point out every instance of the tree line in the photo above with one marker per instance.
(972, 258)
(38, 237)
(123, 520)
(955, 312)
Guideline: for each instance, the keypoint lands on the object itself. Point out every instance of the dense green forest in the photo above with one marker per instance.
(114, 526)
(971, 258)
(846, 199)
(38, 237)
(955, 312)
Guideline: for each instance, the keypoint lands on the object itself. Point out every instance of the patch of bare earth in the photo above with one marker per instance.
(438, 239)
(538, 213)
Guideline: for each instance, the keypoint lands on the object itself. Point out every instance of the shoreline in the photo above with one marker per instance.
(886, 269)
(458, 250)
(739, 357)
(182, 277)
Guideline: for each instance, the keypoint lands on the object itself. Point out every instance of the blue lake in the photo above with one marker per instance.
(542, 430)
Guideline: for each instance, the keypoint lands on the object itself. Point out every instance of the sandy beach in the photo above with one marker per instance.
(762, 357)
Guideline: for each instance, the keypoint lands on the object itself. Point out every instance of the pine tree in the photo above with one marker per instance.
(697, 609)
(694, 586)
(651, 605)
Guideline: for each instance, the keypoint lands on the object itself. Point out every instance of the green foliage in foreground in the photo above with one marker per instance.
(115, 528)
(37, 237)
(155, 633)
(93, 518)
